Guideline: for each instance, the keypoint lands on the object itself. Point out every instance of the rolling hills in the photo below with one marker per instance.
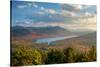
(25, 35)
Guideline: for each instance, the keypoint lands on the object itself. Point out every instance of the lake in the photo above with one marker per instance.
(52, 39)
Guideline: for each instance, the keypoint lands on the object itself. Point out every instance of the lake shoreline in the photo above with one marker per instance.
(53, 39)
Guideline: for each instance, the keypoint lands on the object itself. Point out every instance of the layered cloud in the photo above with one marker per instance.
(83, 24)
(68, 16)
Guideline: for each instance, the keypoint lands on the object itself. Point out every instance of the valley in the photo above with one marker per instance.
(45, 39)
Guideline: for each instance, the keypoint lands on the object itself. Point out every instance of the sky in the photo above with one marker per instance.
(40, 14)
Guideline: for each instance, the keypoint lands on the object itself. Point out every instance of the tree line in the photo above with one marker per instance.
(34, 56)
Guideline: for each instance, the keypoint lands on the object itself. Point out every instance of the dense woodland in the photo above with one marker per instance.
(23, 55)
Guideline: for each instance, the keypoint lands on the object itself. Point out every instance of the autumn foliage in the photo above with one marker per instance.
(33, 56)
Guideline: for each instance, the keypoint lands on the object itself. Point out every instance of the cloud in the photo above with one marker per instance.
(27, 4)
(87, 14)
(83, 24)
(30, 23)
(71, 11)
(42, 8)
(51, 11)
(71, 7)
(77, 11)
(21, 6)
(31, 4)
(66, 13)
(80, 24)
(34, 5)
(77, 7)
(47, 10)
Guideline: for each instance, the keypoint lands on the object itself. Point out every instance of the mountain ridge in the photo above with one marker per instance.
(21, 31)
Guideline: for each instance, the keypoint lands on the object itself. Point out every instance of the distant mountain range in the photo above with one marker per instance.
(50, 30)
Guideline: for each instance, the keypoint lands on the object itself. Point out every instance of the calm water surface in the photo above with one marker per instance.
(50, 40)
